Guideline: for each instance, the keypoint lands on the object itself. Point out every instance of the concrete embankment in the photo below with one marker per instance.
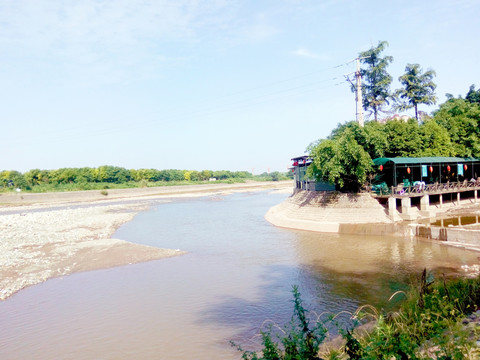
(333, 212)
(360, 214)
(467, 237)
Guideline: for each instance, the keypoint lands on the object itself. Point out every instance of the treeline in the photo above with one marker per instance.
(82, 177)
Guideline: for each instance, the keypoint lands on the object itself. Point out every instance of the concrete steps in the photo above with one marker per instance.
(332, 207)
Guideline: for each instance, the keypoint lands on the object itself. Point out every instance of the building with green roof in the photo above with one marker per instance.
(430, 170)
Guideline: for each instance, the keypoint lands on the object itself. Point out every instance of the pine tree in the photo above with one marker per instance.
(375, 79)
(418, 88)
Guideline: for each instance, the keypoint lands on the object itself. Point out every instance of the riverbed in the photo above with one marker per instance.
(238, 272)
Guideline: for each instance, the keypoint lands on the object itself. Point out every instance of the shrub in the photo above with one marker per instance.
(426, 326)
(300, 341)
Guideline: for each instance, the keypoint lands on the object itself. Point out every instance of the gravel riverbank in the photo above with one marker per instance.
(49, 235)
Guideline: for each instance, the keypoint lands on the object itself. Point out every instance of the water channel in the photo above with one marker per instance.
(238, 272)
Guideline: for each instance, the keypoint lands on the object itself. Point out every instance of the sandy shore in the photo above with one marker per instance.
(49, 235)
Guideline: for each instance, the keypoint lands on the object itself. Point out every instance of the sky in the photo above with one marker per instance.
(206, 84)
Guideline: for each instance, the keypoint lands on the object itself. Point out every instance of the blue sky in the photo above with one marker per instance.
(213, 84)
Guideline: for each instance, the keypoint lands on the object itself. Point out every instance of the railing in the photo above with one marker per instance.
(425, 189)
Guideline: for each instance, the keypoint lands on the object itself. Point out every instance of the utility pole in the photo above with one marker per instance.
(358, 94)
(358, 90)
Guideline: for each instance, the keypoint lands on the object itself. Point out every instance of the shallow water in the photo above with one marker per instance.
(238, 273)
(460, 220)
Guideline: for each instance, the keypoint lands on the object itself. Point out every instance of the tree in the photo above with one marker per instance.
(418, 88)
(205, 175)
(372, 137)
(376, 140)
(473, 95)
(403, 138)
(341, 161)
(375, 79)
(12, 178)
(461, 118)
(435, 140)
(33, 177)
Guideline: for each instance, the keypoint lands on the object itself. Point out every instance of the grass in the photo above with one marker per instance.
(427, 325)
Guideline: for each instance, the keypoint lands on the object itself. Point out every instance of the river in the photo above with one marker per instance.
(238, 272)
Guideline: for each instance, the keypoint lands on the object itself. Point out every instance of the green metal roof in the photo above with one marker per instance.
(423, 160)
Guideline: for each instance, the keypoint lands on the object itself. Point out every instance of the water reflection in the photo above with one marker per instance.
(239, 272)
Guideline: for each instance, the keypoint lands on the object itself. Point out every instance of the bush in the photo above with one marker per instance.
(300, 341)
(426, 326)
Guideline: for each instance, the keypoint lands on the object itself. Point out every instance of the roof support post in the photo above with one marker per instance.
(394, 174)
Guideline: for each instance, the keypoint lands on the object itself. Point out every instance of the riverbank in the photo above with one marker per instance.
(26, 199)
(331, 212)
(56, 234)
(361, 214)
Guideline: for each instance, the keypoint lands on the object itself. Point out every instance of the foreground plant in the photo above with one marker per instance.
(427, 326)
(298, 341)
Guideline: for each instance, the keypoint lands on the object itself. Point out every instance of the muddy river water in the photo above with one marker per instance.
(238, 272)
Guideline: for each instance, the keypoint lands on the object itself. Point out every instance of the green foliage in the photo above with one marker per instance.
(112, 174)
(426, 326)
(461, 119)
(403, 138)
(341, 161)
(274, 176)
(454, 130)
(73, 179)
(473, 95)
(299, 341)
(435, 140)
(376, 80)
(418, 88)
(12, 179)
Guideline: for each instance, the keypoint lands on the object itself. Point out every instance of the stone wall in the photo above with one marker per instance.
(329, 211)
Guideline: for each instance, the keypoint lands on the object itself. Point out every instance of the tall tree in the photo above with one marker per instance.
(473, 95)
(375, 79)
(418, 88)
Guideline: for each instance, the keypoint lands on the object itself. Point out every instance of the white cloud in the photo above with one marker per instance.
(302, 52)
(81, 36)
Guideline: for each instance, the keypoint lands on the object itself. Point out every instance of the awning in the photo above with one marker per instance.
(423, 160)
